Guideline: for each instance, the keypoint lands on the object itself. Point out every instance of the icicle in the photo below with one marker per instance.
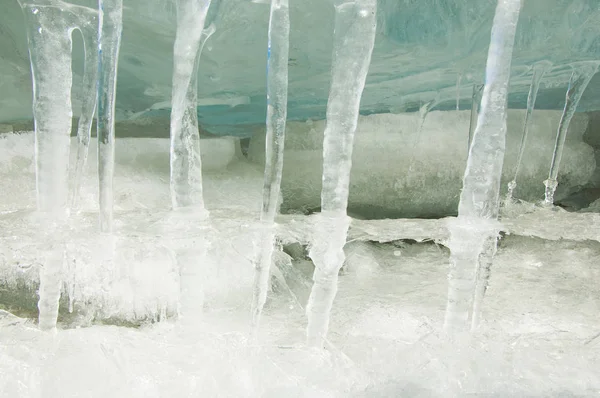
(478, 208)
(423, 112)
(475, 101)
(109, 43)
(582, 74)
(539, 69)
(49, 33)
(88, 106)
(186, 164)
(277, 87)
(458, 82)
(354, 37)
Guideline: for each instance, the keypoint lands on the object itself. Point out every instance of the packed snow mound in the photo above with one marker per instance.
(423, 48)
(399, 172)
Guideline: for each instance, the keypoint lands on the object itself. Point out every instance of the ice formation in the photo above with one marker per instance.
(582, 74)
(189, 223)
(474, 231)
(277, 90)
(354, 38)
(49, 30)
(186, 164)
(539, 69)
(109, 41)
(161, 257)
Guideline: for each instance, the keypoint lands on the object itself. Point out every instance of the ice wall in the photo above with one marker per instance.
(450, 37)
(380, 184)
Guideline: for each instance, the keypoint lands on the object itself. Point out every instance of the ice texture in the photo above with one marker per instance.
(277, 87)
(109, 39)
(354, 37)
(474, 230)
(186, 163)
(582, 74)
(449, 38)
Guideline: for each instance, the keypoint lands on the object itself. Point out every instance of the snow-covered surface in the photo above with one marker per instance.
(397, 171)
(538, 338)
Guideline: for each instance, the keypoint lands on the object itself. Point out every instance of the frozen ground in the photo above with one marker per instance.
(540, 335)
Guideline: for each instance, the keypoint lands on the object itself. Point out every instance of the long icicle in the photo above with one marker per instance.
(186, 163)
(277, 91)
(110, 28)
(582, 74)
(49, 35)
(539, 70)
(88, 106)
(354, 37)
(476, 223)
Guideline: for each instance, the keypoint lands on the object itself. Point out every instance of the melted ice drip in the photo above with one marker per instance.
(354, 37)
(277, 90)
(476, 224)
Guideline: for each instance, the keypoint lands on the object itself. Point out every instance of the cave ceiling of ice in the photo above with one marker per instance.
(423, 48)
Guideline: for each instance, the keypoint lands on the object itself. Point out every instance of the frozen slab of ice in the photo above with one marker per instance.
(381, 183)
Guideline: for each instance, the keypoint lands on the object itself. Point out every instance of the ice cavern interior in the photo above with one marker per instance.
(299, 198)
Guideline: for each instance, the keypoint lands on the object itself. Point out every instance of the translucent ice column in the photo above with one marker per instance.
(277, 90)
(354, 37)
(539, 69)
(478, 206)
(49, 32)
(109, 38)
(186, 165)
(582, 74)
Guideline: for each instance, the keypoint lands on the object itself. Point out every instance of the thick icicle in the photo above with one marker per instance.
(582, 74)
(49, 32)
(354, 37)
(539, 69)
(109, 44)
(475, 102)
(478, 207)
(186, 164)
(277, 87)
